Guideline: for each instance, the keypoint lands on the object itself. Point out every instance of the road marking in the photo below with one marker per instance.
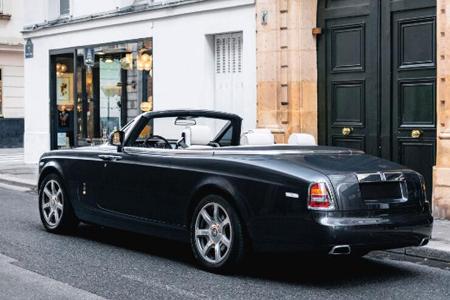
(19, 283)
(173, 289)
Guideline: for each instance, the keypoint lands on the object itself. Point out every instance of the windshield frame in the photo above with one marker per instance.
(133, 130)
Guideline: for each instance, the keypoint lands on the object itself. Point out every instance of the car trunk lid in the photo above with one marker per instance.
(365, 182)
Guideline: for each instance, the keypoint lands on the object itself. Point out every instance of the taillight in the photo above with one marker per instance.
(319, 197)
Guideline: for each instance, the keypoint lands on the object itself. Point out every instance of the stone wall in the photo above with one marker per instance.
(441, 176)
(286, 66)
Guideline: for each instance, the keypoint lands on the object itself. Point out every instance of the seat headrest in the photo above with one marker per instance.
(198, 135)
(302, 139)
(260, 130)
(257, 139)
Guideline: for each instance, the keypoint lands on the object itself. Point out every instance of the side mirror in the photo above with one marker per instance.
(117, 139)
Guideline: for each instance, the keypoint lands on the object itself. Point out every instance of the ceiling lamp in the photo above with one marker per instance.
(144, 61)
(108, 59)
(127, 62)
(60, 69)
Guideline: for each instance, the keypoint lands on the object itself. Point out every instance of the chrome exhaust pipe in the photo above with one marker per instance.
(424, 242)
(340, 250)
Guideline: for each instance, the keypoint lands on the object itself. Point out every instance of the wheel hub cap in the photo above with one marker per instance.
(213, 233)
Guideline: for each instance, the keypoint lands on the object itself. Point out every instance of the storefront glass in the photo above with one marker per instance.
(109, 86)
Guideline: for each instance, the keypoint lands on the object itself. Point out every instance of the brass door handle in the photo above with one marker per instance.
(416, 133)
(346, 131)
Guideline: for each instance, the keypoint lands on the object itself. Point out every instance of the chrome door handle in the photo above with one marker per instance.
(108, 157)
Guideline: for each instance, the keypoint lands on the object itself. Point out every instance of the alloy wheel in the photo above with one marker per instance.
(213, 233)
(52, 203)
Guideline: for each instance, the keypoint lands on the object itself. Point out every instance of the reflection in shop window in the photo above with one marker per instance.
(114, 82)
(100, 89)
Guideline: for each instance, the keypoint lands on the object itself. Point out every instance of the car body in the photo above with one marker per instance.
(373, 203)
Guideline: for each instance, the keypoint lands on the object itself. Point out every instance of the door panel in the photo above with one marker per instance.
(377, 79)
(416, 107)
(414, 89)
(350, 76)
(135, 185)
(411, 31)
(347, 43)
(355, 142)
(348, 103)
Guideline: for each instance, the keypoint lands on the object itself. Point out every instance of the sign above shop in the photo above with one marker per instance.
(29, 49)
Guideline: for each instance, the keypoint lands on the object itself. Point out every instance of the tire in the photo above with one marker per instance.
(55, 209)
(218, 245)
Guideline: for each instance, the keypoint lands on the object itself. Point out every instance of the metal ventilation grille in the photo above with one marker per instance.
(64, 7)
(228, 53)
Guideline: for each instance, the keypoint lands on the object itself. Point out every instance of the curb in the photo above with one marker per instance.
(18, 182)
(425, 252)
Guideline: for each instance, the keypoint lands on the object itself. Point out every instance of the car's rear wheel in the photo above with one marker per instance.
(217, 236)
(55, 209)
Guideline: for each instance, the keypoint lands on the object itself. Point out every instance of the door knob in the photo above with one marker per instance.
(346, 131)
(416, 133)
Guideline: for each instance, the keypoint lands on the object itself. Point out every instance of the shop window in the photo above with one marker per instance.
(63, 99)
(109, 85)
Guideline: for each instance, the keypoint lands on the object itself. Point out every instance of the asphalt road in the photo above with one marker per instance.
(117, 265)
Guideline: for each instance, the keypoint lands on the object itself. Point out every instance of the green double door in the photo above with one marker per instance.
(377, 79)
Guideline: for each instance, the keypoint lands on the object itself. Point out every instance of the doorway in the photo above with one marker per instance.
(377, 79)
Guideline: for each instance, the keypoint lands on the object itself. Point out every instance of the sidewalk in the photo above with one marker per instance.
(439, 246)
(15, 172)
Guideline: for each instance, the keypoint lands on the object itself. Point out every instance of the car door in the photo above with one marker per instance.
(134, 183)
(84, 178)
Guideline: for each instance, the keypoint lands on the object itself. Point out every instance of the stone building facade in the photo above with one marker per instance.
(11, 74)
(441, 174)
(287, 66)
(289, 82)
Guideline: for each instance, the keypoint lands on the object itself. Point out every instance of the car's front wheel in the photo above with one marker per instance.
(55, 209)
(217, 236)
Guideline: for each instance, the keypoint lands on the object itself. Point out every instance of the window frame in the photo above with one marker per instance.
(235, 123)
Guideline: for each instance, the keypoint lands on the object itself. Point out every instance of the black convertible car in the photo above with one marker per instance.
(185, 175)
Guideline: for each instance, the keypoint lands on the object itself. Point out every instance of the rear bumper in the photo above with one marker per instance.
(321, 231)
(375, 233)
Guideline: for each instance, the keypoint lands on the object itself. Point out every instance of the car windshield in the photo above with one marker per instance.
(184, 132)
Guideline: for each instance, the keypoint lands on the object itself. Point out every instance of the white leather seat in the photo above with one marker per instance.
(258, 137)
(197, 136)
(302, 139)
